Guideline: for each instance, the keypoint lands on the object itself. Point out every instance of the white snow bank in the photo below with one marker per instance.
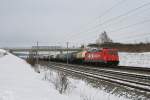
(134, 59)
(18, 81)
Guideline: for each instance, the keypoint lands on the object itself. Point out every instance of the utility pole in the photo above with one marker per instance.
(55, 51)
(49, 55)
(37, 55)
(67, 51)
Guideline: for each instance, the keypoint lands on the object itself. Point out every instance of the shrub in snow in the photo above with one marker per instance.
(2, 53)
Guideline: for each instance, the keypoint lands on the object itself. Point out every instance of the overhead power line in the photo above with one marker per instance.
(124, 27)
(110, 9)
(126, 13)
(131, 25)
(117, 17)
(142, 36)
(130, 36)
(123, 19)
(105, 12)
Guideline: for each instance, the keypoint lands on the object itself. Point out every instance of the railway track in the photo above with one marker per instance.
(131, 79)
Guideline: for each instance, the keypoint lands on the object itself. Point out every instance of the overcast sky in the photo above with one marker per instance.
(23, 22)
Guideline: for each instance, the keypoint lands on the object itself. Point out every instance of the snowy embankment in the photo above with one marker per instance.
(134, 59)
(18, 81)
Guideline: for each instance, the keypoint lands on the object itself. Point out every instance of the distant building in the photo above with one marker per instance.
(103, 38)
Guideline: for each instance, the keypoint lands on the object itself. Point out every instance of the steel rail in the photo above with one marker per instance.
(107, 75)
(114, 69)
(119, 74)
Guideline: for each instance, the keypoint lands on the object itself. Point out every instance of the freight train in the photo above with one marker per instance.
(104, 56)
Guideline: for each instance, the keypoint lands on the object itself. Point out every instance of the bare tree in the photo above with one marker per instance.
(61, 83)
(103, 38)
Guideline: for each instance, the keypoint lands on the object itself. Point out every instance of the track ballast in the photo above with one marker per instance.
(131, 79)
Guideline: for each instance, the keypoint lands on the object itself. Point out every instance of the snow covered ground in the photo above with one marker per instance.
(135, 59)
(18, 81)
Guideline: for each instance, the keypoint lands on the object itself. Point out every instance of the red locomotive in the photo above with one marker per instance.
(104, 56)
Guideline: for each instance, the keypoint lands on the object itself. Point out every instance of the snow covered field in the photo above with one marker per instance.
(135, 59)
(19, 81)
